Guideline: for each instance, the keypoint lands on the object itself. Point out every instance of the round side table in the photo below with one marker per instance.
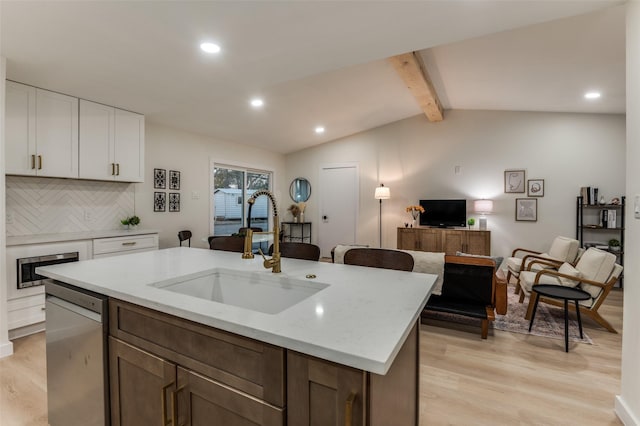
(565, 294)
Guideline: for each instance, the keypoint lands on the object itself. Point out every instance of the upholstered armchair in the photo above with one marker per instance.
(596, 273)
(563, 249)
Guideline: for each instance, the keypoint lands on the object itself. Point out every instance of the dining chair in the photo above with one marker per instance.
(295, 250)
(227, 243)
(184, 236)
(379, 258)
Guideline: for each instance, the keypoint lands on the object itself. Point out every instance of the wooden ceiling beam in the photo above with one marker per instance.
(411, 69)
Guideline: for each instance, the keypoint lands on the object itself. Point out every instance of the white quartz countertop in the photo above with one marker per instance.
(75, 236)
(361, 319)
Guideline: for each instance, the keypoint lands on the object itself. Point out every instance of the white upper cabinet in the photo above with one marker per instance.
(41, 132)
(111, 143)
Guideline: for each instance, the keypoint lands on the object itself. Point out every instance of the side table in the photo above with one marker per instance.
(565, 294)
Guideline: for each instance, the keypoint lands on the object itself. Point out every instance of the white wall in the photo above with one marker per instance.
(628, 402)
(416, 159)
(190, 154)
(6, 347)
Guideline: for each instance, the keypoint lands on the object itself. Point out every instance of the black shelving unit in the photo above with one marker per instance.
(299, 232)
(589, 221)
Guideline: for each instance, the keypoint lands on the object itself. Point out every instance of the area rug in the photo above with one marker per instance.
(549, 320)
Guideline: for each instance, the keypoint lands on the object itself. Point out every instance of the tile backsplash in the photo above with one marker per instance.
(48, 205)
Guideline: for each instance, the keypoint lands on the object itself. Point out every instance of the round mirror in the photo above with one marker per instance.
(300, 190)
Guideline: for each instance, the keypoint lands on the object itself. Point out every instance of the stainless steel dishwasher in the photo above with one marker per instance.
(77, 360)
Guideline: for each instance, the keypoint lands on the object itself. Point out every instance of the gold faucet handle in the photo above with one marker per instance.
(268, 263)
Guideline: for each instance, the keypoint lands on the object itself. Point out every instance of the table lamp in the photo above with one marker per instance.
(483, 207)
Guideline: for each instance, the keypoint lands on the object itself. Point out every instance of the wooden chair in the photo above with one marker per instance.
(293, 250)
(563, 249)
(227, 243)
(379, 258)
(184, 236)
(596, 273)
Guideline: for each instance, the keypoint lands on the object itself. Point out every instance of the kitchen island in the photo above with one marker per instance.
(319, 344)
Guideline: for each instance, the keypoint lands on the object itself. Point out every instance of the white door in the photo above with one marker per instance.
(129, 149)
(96, 141)
(339, 198)
(56, 134)
(20, 125)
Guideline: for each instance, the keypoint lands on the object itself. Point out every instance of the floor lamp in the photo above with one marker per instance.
(382, 193)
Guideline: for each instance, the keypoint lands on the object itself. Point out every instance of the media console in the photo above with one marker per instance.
(445, 240)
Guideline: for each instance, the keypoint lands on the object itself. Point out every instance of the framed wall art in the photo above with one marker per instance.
(159, 201)
(535, 188)
(159, 178)
(174, 179)
(174, 201)
(526, 209)
(514, 181)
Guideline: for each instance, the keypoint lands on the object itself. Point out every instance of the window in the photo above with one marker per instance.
(231, 188)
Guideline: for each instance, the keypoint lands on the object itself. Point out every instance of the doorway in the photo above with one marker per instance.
(339, 201)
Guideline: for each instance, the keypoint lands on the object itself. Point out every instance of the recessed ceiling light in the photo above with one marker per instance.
(257, 102)
(210, 47)
(592, 95)
(319, 129)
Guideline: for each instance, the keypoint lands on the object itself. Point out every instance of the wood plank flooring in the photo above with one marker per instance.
(508, 379)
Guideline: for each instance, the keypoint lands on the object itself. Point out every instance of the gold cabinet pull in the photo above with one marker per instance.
(130, 243)
(117, 169)
(33, 161)
(163, 395)
(348, 409)
(113, 169)
(174, 405)
(39, 162)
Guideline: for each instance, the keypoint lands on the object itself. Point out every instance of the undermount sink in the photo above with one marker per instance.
(258, 291)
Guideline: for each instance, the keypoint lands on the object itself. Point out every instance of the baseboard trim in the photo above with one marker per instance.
(6, 349)
(624, 413)
(19, 332)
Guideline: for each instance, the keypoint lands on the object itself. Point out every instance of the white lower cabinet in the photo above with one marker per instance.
(117, 246)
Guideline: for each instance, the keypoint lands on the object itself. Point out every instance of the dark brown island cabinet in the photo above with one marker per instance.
(165, 370)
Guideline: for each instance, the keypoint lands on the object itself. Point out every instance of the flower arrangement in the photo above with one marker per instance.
(130, 221)
(415, 211)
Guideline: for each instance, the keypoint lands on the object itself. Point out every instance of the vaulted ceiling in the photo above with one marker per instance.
(316, 62)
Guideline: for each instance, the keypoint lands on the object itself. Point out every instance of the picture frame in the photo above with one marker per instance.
(159, 201)
(535, 188)
(174, 180)
(514, 181)
(174, 201)
(526, 209)
(159, 178)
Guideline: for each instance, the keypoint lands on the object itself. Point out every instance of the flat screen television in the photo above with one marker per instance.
(444, 213)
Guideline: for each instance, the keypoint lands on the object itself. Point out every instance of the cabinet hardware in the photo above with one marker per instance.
(174, 405)
(117, 169)
(130, 243)
(39, 162)
(348, 409)
(163, 396)
(33, 161)
(113, 169)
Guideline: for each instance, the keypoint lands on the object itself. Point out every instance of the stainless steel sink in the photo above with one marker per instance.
(258, 291)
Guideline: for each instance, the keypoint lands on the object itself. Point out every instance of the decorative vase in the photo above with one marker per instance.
(602, 201)
(301, 217)
(415, 223)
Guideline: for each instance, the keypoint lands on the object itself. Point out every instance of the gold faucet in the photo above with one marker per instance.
(274, 262)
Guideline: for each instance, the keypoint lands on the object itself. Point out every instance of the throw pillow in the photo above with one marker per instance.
(567, 269)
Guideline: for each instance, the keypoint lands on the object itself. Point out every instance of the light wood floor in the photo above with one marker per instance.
(508, 379)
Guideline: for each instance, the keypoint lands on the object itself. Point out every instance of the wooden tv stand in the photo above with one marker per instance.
(445, 240)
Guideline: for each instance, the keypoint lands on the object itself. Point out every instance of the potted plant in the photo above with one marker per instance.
(130, 221)
(614, 245)
(471, 221)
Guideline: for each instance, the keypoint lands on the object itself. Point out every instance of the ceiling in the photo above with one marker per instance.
(315, 62)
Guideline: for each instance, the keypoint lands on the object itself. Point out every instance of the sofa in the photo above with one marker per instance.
(467, 285)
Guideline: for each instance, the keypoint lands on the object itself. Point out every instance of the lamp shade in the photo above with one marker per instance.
(483, 206)
(382, 193)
